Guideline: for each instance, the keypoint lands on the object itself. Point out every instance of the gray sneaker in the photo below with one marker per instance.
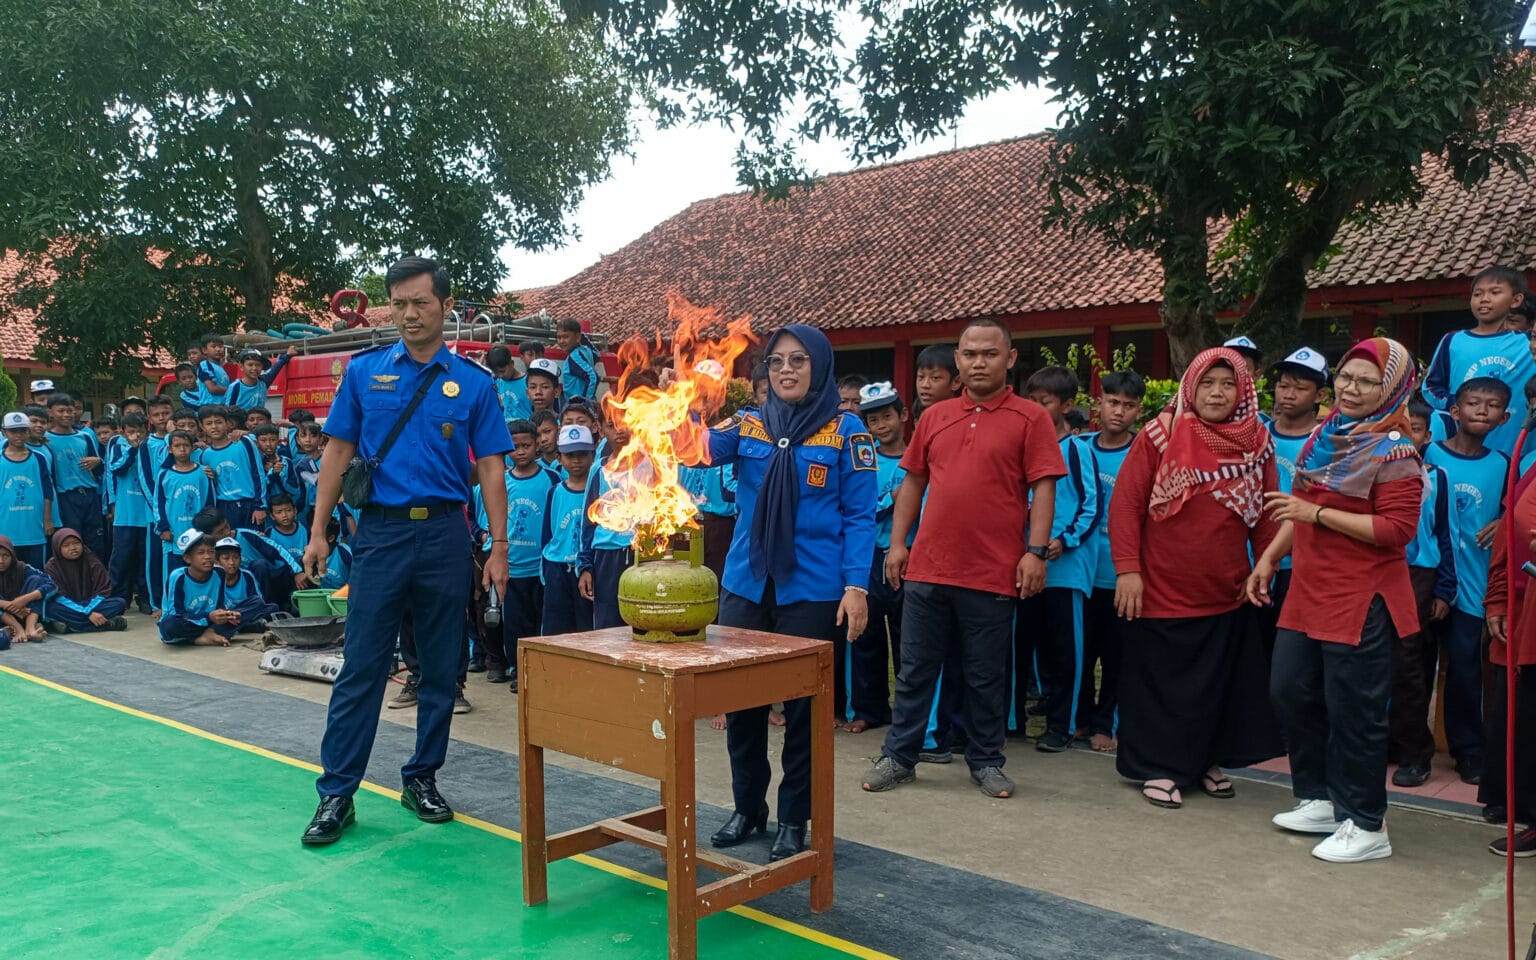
(992, 782)
(461, 705)
(405, 698)
(887, 773)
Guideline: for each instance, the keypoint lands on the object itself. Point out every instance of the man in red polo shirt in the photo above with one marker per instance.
(981, 458)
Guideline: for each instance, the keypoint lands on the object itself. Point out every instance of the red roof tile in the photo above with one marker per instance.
(18, 328)
(958, 235)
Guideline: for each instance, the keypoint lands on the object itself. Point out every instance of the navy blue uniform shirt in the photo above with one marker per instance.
(430, 459)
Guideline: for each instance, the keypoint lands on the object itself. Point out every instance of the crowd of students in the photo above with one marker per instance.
(1221, 587)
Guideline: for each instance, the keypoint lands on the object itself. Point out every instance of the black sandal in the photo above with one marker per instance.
(1213, 787)
(1167, 802)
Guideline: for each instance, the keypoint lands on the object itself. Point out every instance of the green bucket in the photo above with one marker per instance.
(312, 603)
(338, 605)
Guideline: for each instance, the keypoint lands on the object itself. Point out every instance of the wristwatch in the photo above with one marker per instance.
(1042, 552)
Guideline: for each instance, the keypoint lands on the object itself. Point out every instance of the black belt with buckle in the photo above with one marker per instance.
(424, 512)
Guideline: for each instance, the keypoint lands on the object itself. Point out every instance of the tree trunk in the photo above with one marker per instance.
(1187, 310)
(256, 274)
(1273, 318)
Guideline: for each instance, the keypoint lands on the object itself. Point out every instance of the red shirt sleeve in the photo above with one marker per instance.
(1396, 507)
(1042, 451)
(1128, 507)
(1496, 600)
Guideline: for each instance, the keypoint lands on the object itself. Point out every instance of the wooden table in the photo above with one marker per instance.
(608, 698)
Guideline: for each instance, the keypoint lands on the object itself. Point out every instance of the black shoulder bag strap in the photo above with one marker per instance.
(405, 416)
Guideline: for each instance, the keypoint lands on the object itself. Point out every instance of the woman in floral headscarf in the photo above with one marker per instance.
(1188, 506)
(1353, 510)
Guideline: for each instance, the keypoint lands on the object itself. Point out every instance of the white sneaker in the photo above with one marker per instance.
(1350, 844)
(1310, 816)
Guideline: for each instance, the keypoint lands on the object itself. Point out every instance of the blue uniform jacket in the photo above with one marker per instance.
(178, 498)
(193, 599)
(1110, 462)
(430, 459)
(214, 373)
(237, 473)
(1076, 522)
(246, 397)
(1432, 546)
(1476, 493)
(26, 488)
(579, 377)
(526, 499)
(835, 525)
(1287, 449)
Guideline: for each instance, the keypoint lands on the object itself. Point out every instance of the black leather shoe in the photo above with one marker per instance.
(333, 815)
(420, 796)
(789, 841)
(739, 828)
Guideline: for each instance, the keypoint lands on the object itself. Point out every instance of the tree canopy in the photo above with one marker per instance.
(166, 166)
(1275, 120)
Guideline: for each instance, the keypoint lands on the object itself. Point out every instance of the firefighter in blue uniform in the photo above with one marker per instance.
(799, 560)
(412, 550)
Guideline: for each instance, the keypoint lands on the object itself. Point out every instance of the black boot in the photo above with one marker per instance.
(739, 828)
(789, 841)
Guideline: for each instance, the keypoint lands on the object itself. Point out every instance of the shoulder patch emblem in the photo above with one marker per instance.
(863, 447)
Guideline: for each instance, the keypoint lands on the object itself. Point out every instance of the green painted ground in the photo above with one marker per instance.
(121, 837)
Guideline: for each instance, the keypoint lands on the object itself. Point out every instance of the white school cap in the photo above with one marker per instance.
(575, 438)
(873, 396)
(190, 538)
(1305, 362)
(16, 420)
(228, 543)
(42, 386)
(1244, 346)
(546, 366)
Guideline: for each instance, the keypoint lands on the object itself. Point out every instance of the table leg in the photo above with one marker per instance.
(821, 783)
(530, 761)
(677, 795)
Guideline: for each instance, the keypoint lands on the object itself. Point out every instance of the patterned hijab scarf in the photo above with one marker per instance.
(1223, 459)
(1347, 455)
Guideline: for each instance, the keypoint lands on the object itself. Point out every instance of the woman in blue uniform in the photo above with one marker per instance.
(799, 559)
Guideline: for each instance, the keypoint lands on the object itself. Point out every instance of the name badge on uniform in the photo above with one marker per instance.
(817, 475)
(450, 390)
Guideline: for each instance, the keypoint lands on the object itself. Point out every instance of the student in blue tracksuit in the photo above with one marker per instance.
(128, 463)
(605, 554)
(26, 492)
(1073, 555)
(241, 593)
(1415, 658)
(283, 527)
(77, 466)
(806, 485)
(187, 393)
(1298, 383)
(24, 589)
(277, 571)
(1489, 350)
(83, 599)
(278, 472)
(195, 611)
(257, 375)
(566, 608)
(1120, 396)
(1476, 474)
(580, 374)
(235, 465)
(528, 488)
(182, 490)
(511, 384)
(212, 378)
(869, 670)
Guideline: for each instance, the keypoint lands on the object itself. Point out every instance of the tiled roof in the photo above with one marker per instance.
(958, 235)
(18, 329)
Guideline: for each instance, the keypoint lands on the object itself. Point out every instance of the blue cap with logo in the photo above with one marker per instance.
(575, 438)
(1305, 362)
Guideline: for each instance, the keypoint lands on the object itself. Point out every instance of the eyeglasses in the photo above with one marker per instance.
(795, 361)
(1350, 380)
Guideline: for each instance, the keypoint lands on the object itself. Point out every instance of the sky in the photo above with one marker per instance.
(672, 168)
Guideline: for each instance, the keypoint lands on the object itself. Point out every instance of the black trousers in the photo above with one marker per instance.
(1053, 623)
(934, 618)
(607, 567)
(1413, 664)
(870, 684)
(1332, 700)
(1103, 645)
(413, 662)
(746, 731)
(1491, 791)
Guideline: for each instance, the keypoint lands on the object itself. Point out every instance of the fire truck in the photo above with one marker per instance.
(309, 381)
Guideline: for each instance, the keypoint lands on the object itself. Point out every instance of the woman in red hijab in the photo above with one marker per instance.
(1352, 510)
(1188, 506)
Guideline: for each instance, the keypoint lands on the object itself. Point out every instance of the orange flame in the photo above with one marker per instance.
(665, 426)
